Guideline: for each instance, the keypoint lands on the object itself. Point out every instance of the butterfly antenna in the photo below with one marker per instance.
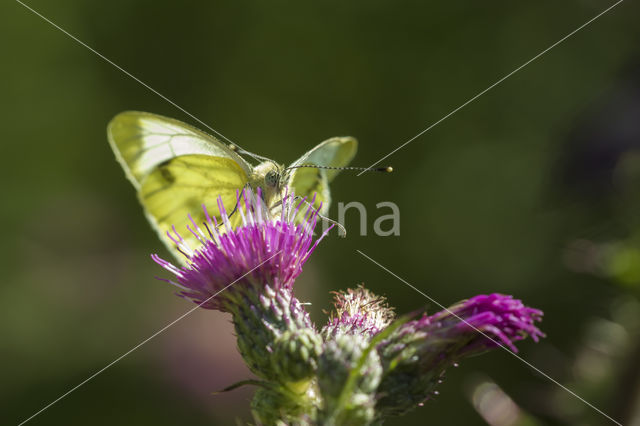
(387, 169)
(236, 148)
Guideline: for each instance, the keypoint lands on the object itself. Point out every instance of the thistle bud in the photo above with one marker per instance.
(348, 389)
(358, 311)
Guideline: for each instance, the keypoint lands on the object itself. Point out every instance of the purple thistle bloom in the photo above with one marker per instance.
(265, 249)
(501, 319)
(417, 354)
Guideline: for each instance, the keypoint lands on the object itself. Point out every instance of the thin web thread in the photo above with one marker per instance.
(141, 343)
(214, 131)
(495, 84)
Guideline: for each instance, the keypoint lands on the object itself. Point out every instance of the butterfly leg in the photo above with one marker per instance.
(235, 208)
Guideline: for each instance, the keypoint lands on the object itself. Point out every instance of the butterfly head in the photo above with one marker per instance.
(268, 176)
(272, 179)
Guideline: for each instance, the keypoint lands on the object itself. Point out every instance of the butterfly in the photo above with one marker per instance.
(176, 169)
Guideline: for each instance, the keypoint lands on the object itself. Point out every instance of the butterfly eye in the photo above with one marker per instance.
(271, 179)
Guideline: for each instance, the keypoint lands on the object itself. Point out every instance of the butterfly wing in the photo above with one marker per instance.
(176, 169)
(178, 188)
(142, 141)
(334, 152)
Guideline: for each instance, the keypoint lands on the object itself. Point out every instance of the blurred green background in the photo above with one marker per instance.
(531, 190)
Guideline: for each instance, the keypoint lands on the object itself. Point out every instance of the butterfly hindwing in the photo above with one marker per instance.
(178, 188)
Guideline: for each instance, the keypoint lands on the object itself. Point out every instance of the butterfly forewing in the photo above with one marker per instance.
(142, 141)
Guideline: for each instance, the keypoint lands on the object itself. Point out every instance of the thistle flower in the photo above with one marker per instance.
(350, 376)
(501, 318)
(417, 354)
(249, 272)
(264, 249)
(358, 311)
